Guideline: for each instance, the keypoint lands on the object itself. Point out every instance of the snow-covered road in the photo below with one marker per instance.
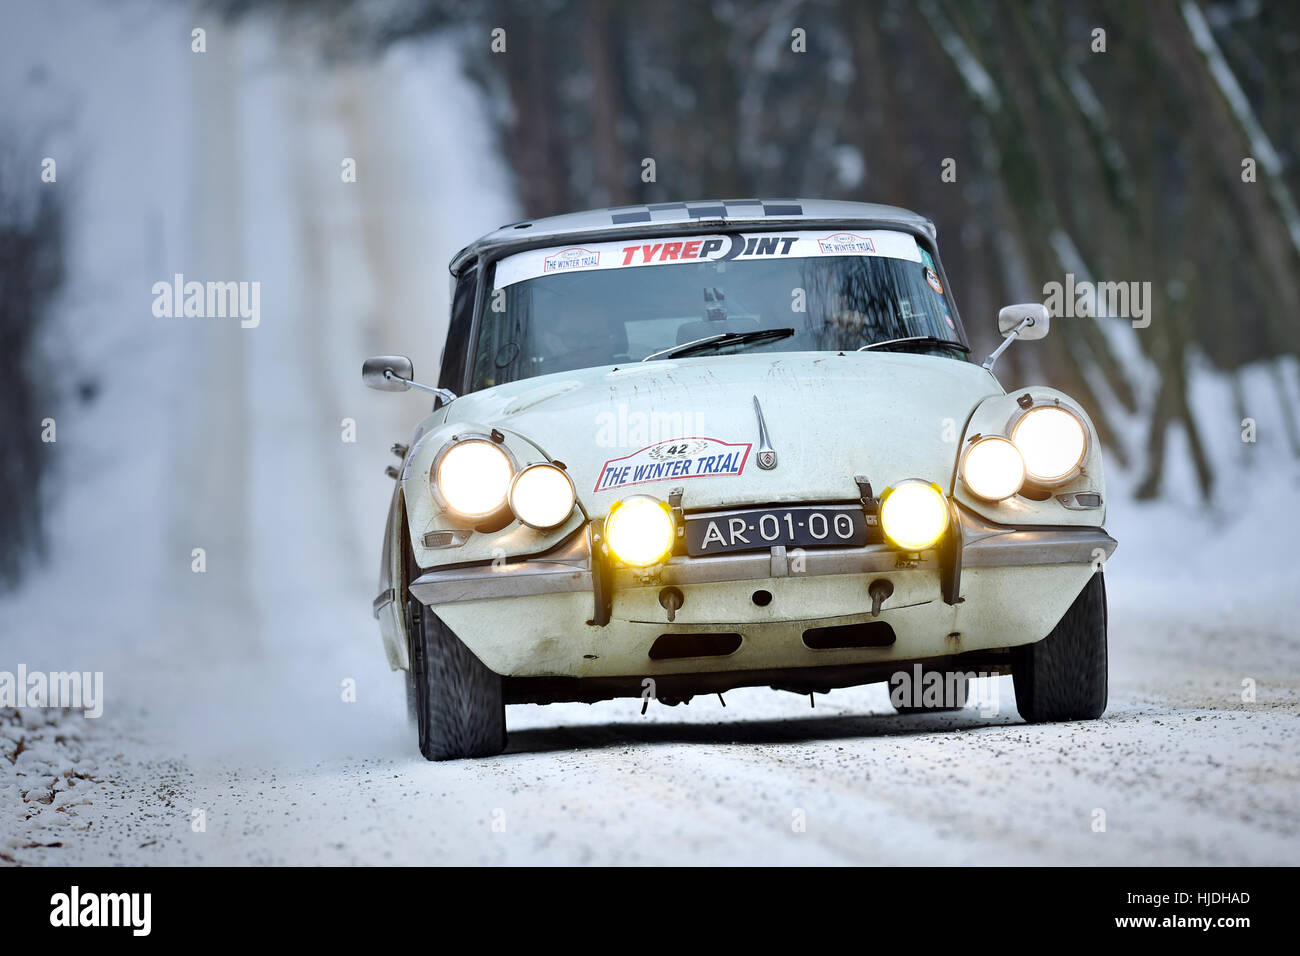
(227, 737)
(1180, 770)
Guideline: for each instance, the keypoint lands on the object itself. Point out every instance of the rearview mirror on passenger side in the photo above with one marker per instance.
(1028, 320)
(1033, 316)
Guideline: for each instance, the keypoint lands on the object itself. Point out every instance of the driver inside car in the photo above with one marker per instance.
(578, 334)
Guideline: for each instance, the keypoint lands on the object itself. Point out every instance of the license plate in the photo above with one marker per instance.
(821, 527)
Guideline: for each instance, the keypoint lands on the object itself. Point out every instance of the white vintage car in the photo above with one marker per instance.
(686, 447)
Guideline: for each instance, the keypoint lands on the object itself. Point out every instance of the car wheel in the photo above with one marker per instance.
(459, 707)
(953, 694)
(1063, 676)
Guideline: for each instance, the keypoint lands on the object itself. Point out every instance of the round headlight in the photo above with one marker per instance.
(474, 477)
(914, 514)
(993, 469)
(542, 496)
(1053, 442)
(639, 530)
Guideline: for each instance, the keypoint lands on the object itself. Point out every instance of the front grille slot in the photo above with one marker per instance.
(672, 646)
(864, 634)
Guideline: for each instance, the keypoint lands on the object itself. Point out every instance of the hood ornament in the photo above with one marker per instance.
(766, 453)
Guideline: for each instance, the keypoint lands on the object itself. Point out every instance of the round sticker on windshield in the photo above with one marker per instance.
(932, 277)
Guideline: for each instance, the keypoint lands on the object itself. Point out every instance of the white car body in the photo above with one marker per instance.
(557, 619)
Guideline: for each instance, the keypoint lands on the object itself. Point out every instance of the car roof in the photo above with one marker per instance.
(635, 220)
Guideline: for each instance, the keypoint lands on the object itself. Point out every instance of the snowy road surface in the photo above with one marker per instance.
(226, 737)
(1179, 770)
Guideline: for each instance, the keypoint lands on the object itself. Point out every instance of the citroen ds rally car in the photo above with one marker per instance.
(681, 448)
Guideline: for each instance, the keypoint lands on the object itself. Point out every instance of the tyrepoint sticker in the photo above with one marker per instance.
(635, 253)
(673, 459)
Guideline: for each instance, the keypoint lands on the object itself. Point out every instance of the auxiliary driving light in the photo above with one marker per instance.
(639, 530)
(542, 496)
(1053, 442)
(993, 469)
(913, 514)
(473, 477)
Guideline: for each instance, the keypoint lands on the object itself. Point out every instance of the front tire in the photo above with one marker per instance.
(1064, 676)
(458, 703)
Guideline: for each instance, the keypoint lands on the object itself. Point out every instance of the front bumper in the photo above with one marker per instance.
(563, 614)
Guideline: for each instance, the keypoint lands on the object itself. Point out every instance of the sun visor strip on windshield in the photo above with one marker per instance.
(669, 250)
(708, 209)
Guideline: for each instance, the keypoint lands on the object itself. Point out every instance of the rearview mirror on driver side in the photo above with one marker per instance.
(388, 373)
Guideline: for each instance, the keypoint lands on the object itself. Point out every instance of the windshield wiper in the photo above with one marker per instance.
(916, 340)
(720, 340)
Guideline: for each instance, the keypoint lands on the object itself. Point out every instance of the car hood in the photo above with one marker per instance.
(829, 418)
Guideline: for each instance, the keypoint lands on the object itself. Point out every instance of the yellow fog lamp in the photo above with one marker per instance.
(639, 530)
(913, 514)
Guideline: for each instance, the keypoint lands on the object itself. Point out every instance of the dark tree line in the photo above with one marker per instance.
(31, 270)
(1126, 161)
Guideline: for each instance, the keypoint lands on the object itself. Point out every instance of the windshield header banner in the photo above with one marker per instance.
(672, 250)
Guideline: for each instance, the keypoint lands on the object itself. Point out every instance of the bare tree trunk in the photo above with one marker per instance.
(614, 173)
(534, 145)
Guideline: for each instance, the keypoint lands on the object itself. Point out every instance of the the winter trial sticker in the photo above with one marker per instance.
(846, 244)
(673, 459)
(932, 277)
(569, 259)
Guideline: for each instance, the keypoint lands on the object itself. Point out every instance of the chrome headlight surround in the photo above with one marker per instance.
(514, 486)
(435, 475)
(988, 494)
(1050, 481)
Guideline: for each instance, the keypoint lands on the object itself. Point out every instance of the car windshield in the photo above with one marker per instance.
(572, 307)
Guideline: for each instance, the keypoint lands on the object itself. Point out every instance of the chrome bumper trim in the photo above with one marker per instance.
(385, 598)
(1015, 548)
(566, 569)
(776, 563)
(569, 570)
(524, 579)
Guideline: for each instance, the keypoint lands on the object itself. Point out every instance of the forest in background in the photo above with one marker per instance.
(1118, 156)
(1118, 161)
